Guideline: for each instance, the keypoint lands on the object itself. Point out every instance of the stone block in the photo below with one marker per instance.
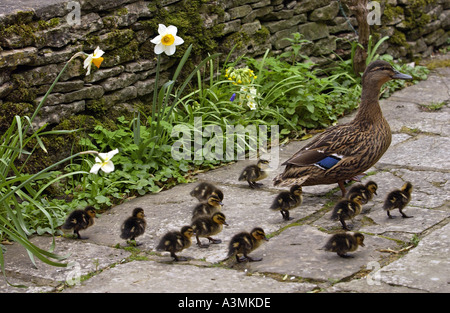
(313, 30)
(240, 11)
(325, 13)
(119, 82)
(13, 58)
(274, 27)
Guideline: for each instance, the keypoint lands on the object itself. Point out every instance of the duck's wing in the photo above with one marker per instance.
(328, 148)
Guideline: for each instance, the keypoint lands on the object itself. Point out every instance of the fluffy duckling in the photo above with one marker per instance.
(366, 191)
(342, 243)
(398, 199)
(80, 220)
(176, 241)
(207, 226)
(208, 208)
(203, 190)
(134, 226)
(253, 173)
(244, 243)
(347, 209)
(287, 200)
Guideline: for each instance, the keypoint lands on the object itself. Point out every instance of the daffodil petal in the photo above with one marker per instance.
(95, 168)
(107, 167)
(170, 49)
(178, 41)
(162, 29)
(112, 153)
(87, 61)
(156, 40)
(98, 52)
(159, 48)
(172, 30)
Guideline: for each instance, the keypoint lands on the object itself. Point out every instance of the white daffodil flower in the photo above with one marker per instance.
(167, 40)
(103, 162)
(95, 58)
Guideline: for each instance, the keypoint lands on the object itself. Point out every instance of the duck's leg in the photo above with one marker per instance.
(200, 245)
(285, 214)
(389, 214)
(345, 255)
(342, 186)
(76, 232)
(214, 241)
(344, 225)
(177, 258)
(403, 214)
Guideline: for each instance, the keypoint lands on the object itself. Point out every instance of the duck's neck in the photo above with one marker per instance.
(369, 109)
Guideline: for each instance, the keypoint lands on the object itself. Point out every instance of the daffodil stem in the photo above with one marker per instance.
(155, 96)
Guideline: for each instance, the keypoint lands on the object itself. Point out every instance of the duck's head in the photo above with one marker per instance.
(214, 200)
(263, 163)
(407, 187)
(187, 231)
(372, 187)
(355, 197)
(296, 190)
(259, 234)
(90, 210)
(379, 72)
(219, 218)
(138, 212)
(359, 239)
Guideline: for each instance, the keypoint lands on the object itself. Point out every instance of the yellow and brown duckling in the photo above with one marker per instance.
(342, 243)
(342, 152)
(134, 226)
(347, 209)
(213, 205)
(255, 172)
(203, 190)
(80, 220)
(398, 199)
(287, 200)
(243, 243)
(366, 191)
(176, 241)
(207, 226)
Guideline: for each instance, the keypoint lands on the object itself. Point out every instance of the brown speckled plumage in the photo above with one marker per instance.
(357, 145)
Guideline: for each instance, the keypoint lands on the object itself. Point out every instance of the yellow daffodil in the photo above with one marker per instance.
(103, 162)
(167, 40)
(95, 58)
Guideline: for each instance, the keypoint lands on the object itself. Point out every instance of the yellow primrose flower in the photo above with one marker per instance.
(103, 162)
(95, 58)
(167, 40)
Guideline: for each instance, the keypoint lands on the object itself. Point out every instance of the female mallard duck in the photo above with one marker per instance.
(366, 191)
(342, 243)
(253, 173)
(134, 226)
(207, 226)
(345, 151)
(208, 208)
(176, 241)
(203, 190)
(244, 243)
(398, 199)
(79, 220)
(287, 200)
(347, 209)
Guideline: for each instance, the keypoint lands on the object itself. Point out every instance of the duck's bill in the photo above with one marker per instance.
(399, 75)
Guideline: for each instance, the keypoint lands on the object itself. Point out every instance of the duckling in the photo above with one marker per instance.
(207, 226)
(342, 243)
(203, 190)
(134, 226)
(288, 200)
(244, 243)
(398, 199)
(253, 173)
(366, 191)
(176, 241)
(80, 220)
(347, 209)
(208, 208)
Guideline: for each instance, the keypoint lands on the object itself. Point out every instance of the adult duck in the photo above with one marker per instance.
(345, 151)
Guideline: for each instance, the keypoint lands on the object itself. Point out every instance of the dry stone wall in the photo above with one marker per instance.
(37, 39)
